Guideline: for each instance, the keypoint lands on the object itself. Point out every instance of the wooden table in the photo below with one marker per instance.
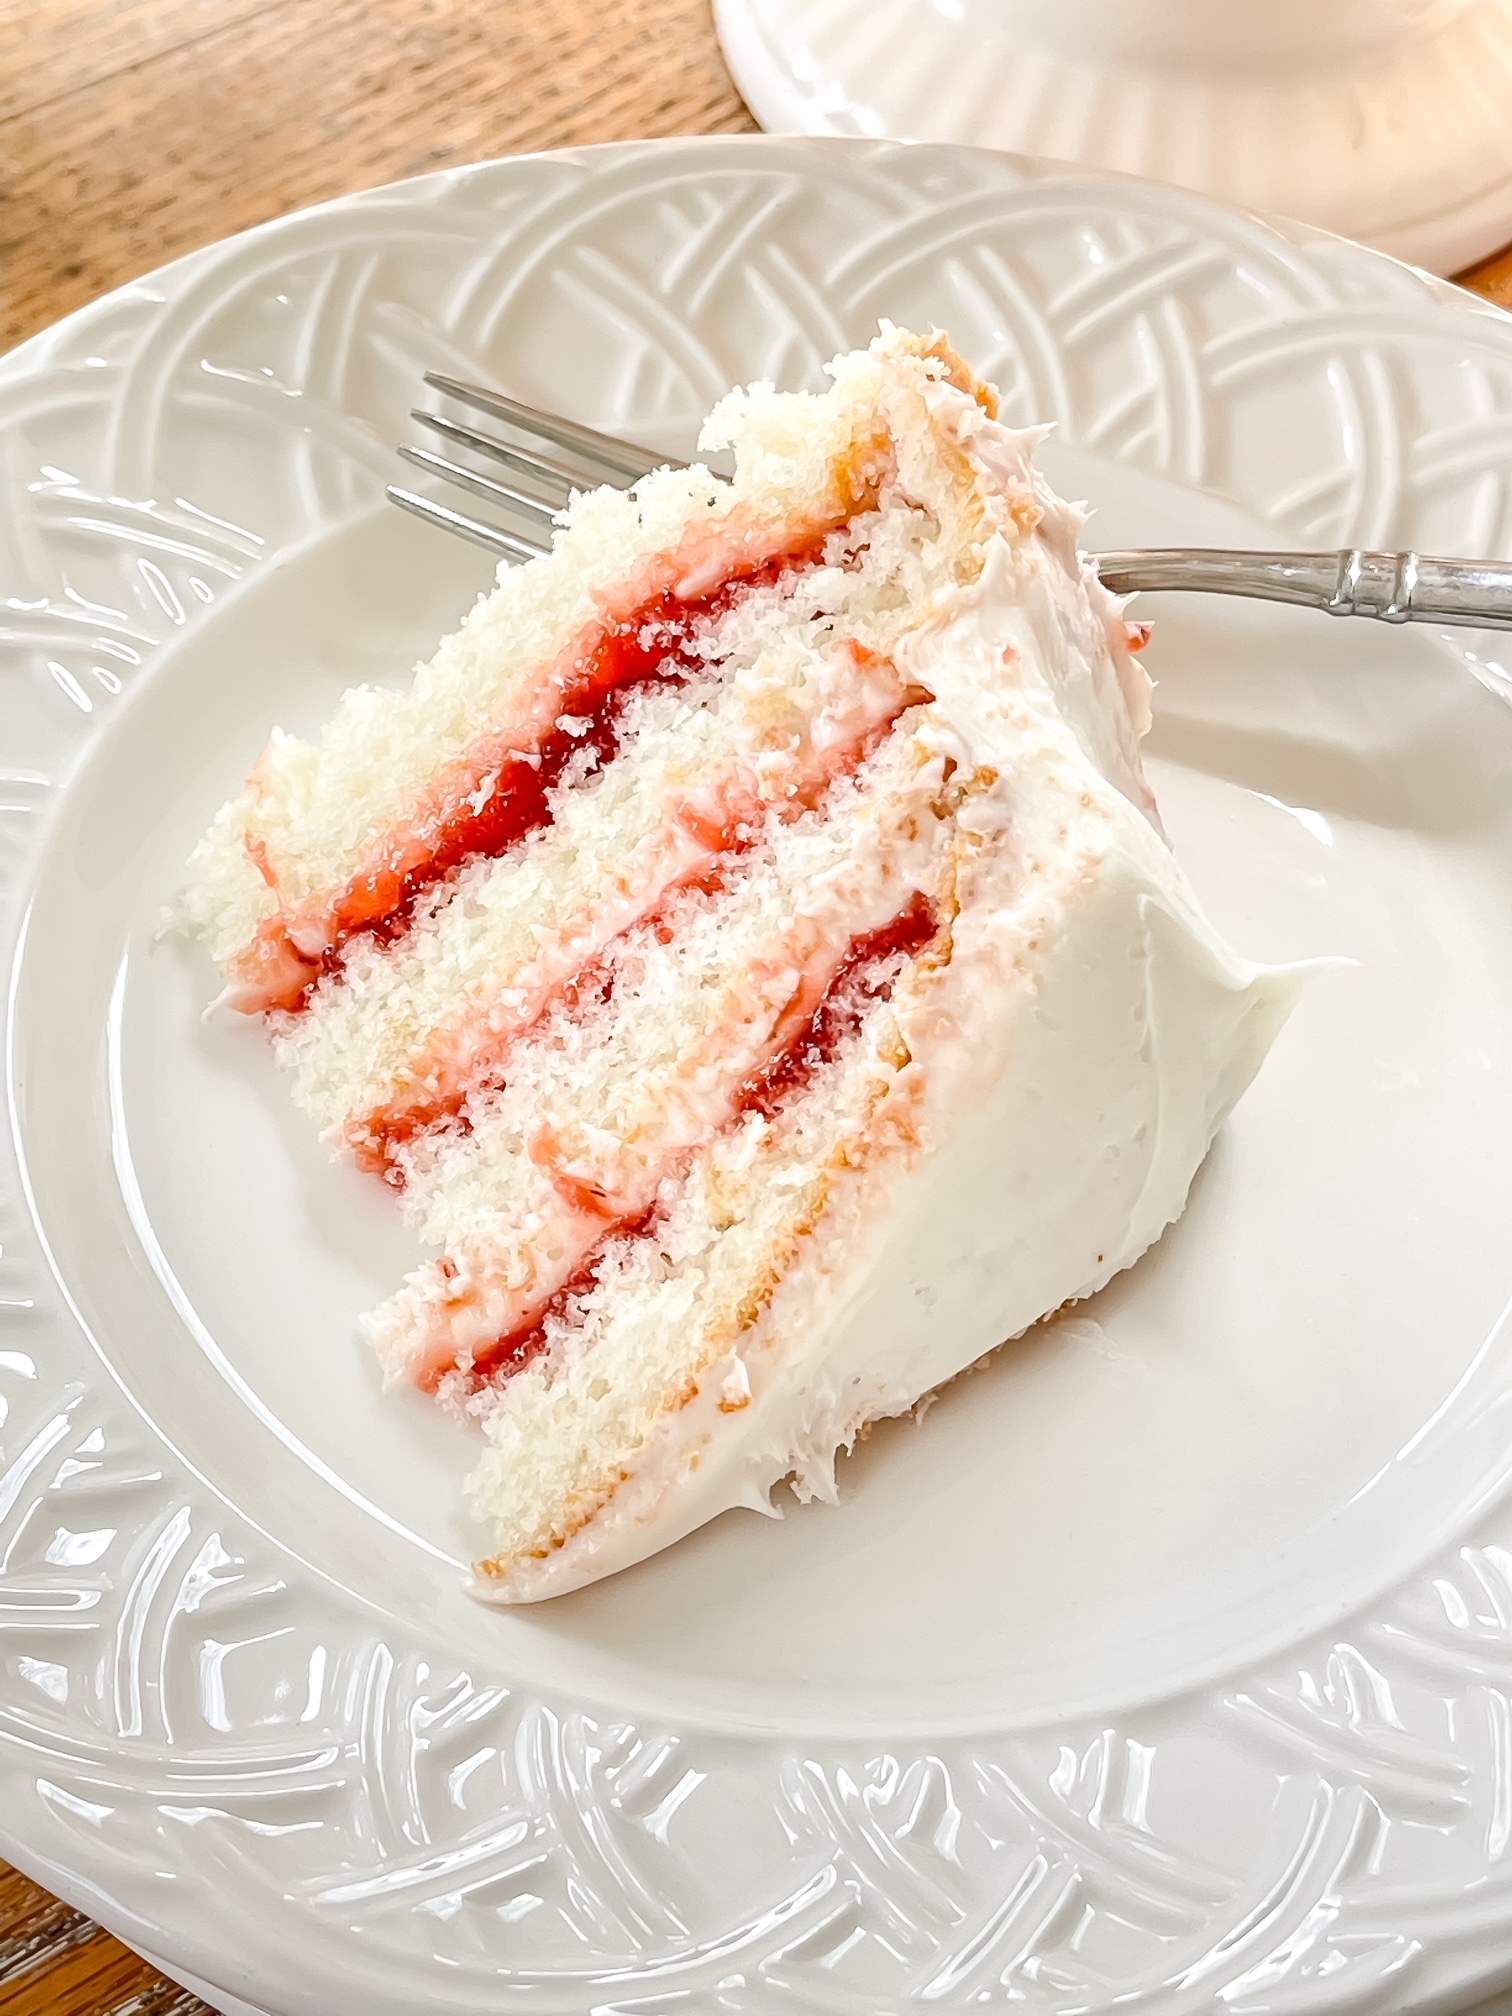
(134, 130)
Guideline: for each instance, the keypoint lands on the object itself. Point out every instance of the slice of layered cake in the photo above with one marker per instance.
(749, 951)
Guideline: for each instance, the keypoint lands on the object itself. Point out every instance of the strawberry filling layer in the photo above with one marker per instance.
(474, 1061)
(502, 791)
(867, 972)
(694, 851)
(497, 1361)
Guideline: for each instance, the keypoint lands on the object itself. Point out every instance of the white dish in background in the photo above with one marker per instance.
(1170, 1657)
(1382, 119)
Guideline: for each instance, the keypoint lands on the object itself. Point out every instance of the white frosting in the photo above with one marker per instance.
(1078, 1054)
(1140, 1040)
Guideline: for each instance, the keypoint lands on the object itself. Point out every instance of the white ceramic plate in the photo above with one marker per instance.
(1169, 1659)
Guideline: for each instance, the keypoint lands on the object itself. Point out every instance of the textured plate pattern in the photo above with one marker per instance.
(290, 1795)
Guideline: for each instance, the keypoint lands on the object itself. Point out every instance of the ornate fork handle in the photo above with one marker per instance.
(1393, 587)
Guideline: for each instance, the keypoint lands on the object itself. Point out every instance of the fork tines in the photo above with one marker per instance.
(624, 462)
(583, 457)
(480, 485)
(556, 474)
(447, 520)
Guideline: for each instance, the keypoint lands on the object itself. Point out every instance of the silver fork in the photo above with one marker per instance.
(1392, 587)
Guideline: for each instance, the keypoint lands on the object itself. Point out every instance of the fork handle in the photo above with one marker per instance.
(1392, 587)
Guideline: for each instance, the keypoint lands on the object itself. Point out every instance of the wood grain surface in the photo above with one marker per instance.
(134, 130)
(54, 1962)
